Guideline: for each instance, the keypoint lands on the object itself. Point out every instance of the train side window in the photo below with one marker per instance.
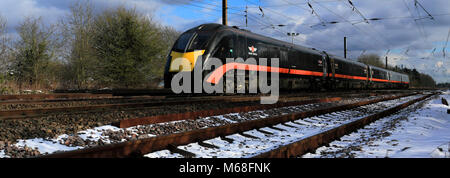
(283, 58)
(262, 50)
(295, 60)
(225, 49)
(274, 52)
(240, 47)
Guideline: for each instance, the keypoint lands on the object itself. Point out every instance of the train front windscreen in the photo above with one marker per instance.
(185, 52)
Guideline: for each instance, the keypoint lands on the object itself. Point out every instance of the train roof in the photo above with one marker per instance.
(346, 60)
(386, 70)
(218, 27)
(379, 68)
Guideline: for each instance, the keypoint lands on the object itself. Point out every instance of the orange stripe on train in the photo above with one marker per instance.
(217, 74)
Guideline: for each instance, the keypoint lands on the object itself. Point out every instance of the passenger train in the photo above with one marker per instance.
(299, 67)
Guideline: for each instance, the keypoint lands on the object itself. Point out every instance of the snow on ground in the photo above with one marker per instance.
(52, 145)
(423, 133)
(436, 120)
(243, 147)
(45, 145)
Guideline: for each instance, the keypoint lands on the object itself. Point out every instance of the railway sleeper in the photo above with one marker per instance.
(175, 149)
(248, 135)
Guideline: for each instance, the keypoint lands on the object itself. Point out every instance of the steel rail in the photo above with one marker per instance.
(52, 96)
(311, 143)
(28, 113)
(24, 113)
(47, 101)
(204, 113)
(141, 147)
(38, 112)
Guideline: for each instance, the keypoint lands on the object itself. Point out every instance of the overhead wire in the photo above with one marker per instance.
(237, 10)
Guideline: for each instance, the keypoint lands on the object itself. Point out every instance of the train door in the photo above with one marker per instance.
(367, 72)
(295, 61)
(324, 65)
(329, 72)
(226, 49)
(284, 59)
(332, 67)
(389, 83)
(240, 44)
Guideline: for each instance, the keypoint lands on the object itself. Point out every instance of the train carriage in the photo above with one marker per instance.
(379, 77)
(405, 81)
(349, 74)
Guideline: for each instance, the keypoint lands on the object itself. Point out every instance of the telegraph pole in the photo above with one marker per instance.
(386, 63)
(293, 35)
(224, 12)
(345, 47)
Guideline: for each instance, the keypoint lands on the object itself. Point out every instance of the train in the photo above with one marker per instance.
(299, 67)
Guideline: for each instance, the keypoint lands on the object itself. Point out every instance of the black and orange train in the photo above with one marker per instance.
(299, 67)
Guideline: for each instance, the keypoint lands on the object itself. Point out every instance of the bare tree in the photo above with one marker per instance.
(76, 32)
(372, 59)
(33, 52)
(5, 48)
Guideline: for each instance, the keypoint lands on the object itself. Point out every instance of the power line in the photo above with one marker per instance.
(386, 41)
(418, 19)
(357, 11)
(270, 24)
(290, 4)
(295, 19)
(417, 25)
(349, 22)
(416, 2)
(446, 41)
(370, 19)
(281, 32)
(317, 15)
(272, 10)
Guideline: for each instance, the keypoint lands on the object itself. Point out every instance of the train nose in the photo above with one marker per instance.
(184, 61)
(180, 62)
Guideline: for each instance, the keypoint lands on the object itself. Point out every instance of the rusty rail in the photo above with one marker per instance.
(144, 146)
(26, 113)
(193, 115)
(46, 101)
(52, 96)
(311, 143)
(20, 114)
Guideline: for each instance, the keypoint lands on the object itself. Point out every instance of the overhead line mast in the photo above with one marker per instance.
(224, 12)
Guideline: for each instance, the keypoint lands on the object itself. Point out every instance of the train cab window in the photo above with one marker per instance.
(182, 42)
(191, 41)
(199, 41)
(225, 48)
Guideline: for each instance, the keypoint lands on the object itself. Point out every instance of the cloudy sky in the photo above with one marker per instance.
(400, 29)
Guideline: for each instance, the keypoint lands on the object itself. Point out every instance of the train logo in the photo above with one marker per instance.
(252, 50)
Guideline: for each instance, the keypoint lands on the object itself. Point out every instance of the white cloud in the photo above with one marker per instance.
(439, 64)
(396, 32)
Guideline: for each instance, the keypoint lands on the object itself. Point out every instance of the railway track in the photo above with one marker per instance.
(172, 144)
(52, 125)
(134, 104)
(28, 113)
(40, 108)
(99, 99)
(53, 96)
